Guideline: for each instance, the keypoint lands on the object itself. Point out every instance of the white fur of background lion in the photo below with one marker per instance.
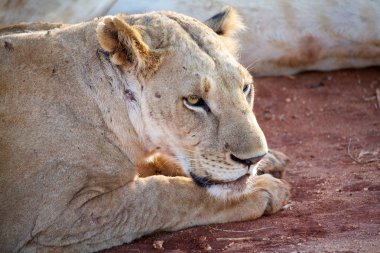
(282, 37)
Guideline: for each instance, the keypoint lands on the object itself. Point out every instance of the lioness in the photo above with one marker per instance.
(85, 107)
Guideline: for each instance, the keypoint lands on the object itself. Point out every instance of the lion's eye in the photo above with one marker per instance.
(246, 89)
(194, 102)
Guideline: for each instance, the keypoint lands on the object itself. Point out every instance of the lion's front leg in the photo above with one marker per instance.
(159, 164)
(274, 163)
(152, 204)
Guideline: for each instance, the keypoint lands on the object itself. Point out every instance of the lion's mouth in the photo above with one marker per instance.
(205, 181)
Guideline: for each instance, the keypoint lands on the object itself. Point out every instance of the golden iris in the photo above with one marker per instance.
(193, 100)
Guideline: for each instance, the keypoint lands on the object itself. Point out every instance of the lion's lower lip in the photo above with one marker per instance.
(204, 182)
(240, 179)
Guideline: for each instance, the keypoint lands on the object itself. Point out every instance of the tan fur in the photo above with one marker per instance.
(158, 164)
(117, 37)
(29, 27)
(86, 108)
(228, 25)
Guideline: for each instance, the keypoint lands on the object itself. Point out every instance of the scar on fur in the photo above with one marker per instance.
(130, 95)
(8, 46)
(206, 85)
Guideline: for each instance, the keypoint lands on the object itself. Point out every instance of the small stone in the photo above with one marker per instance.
(158, 245)
(288, 100)
(338, 190)
(365, 189)
(267, 116)
(203, 244)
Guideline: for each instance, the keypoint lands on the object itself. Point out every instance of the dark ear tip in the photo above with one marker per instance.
(226, 23)
(226, 10)
(218, 15)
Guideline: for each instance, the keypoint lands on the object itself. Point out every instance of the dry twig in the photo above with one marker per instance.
(369, 98)
(240, 238)
(357, 159)
(350, 154)
(241, 231)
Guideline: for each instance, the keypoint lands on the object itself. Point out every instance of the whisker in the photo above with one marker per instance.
(251, 66)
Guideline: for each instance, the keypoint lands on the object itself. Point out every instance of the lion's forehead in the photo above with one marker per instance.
(185, 36)
(201, 57)
(226, 79)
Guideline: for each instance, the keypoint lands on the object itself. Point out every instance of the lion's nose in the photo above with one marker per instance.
(249, 161)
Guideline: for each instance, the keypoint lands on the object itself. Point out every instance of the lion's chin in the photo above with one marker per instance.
(228, 190)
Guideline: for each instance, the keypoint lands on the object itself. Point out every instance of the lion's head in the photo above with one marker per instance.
(196, 99)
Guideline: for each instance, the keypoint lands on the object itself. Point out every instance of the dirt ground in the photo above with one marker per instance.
(329, 125)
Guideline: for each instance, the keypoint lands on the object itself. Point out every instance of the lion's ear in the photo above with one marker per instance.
(125, 45)
(226, 23)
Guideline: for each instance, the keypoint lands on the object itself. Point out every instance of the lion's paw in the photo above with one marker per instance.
(278, 192)
(274, 163)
